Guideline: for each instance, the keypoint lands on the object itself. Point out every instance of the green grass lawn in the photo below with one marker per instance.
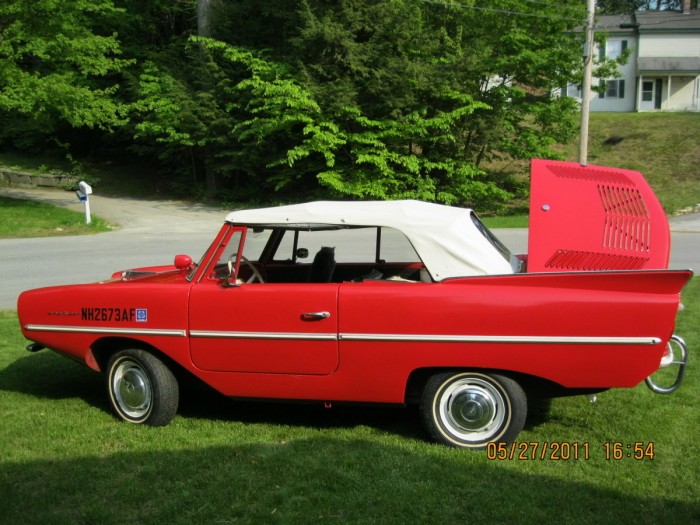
(507, 221)
(65, 459)
(22, 218)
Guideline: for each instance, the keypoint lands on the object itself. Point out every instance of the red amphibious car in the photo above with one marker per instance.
(392, 302)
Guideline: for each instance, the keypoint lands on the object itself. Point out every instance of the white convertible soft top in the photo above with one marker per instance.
(447, 239)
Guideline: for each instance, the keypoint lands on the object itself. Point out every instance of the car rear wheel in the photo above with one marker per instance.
(471, 409)
(142, 389)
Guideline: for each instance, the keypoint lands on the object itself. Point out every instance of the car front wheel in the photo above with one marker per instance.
(471, 409)
(142, 389)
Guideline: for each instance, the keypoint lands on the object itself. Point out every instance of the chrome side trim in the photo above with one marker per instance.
(105, 330)
(420, 338)
(430, 338)
(526, 339)
(263, 335)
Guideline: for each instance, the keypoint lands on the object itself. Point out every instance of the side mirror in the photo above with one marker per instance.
(226, 279)
(302, 253)
(183, 262)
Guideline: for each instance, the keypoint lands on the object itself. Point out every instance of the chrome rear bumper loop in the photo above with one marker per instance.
(676, 343)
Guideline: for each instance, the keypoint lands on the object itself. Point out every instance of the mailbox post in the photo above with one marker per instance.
(83, 193)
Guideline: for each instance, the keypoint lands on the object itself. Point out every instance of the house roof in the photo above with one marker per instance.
(668, 20)
(690, 65)
(448, 240)
(651, 21)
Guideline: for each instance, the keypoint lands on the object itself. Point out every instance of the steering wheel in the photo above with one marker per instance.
(256, 273)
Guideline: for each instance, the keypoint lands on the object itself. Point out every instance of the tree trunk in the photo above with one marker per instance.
(204, 24)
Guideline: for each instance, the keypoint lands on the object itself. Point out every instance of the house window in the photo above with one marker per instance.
(573, 91)
(612, 88)
(612, 49)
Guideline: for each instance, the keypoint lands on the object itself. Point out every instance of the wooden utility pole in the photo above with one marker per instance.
(586, 86)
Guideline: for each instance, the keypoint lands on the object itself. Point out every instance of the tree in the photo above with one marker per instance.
(55, 68)
(357, 98)
(204, 23)
(391, 98)
(165, 90)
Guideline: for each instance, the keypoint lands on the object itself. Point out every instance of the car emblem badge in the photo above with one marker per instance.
(141, 315)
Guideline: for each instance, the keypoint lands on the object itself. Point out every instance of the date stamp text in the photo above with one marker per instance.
(569, 451)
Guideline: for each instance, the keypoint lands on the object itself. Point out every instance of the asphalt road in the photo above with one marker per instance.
(153, 232)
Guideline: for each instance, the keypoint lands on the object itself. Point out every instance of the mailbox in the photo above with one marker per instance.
(84, 189)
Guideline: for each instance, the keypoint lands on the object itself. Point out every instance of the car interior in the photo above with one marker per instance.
(283, 255)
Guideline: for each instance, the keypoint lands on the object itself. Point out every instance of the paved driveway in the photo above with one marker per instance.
(152, 232)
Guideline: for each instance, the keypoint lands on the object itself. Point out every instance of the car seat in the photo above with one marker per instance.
(323, 266)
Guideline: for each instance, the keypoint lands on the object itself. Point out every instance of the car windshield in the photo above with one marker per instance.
(495, 241)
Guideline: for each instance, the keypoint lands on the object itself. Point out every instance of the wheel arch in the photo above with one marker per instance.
(102, 349)
(532, 385)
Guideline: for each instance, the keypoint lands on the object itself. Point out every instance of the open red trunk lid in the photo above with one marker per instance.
(588, 218)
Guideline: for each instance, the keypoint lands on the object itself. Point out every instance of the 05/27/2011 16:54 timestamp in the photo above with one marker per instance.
(569, 450)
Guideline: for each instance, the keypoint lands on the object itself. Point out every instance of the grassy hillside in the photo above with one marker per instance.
(665, 147)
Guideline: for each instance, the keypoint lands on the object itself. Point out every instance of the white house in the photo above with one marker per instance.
(663, 71)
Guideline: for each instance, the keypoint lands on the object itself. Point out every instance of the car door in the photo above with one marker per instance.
(274, 328)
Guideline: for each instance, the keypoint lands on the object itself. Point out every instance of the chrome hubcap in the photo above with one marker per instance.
(472, 409)
(132, 389)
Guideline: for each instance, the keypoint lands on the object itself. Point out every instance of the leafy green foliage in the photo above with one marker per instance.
(379, 99)
(397, 159)
(363, 99)
(54, 68)
(165, 109)
(351, 155)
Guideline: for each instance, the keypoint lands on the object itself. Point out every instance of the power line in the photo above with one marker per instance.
(504, 11)
(551, 4)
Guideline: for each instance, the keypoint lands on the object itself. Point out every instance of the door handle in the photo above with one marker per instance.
(315, 316)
